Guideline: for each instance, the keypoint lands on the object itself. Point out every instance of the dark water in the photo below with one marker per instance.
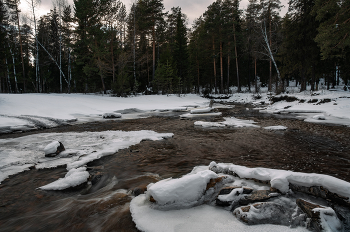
(103, 204)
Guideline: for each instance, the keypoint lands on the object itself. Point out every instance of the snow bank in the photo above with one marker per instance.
(19, 154)
(281, 210)
(73, 178)
(183, 192)
(201, 111)
(189, 115)
(203, 218)
(230, 122)
(23, 111)
(275, 128)
(329, 220)
(280, 179)
(335, 105)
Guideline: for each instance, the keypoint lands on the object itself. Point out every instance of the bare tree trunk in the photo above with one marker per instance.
(20, 44)
(255, 77)
(221, 70)
(14, 70)
(234, 39)
(112, 53)
(9, 90)
(38, 86)
(214, 66)
(154, 52)
(197, 73)
(268, 50)
(69, 72)
(228, 73)
(270, 41)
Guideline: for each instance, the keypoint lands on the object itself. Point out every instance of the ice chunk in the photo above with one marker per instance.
(73, 178)
(275, 128)
(329, 220)
(183, 192)
(201, 111)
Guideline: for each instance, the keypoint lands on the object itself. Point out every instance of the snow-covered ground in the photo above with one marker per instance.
(172, 198)
(321, 106)
(20, 154)
(20, 112)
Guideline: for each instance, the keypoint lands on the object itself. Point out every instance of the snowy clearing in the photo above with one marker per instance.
(19, 154)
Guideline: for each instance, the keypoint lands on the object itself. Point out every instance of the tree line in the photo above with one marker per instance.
(96, 46)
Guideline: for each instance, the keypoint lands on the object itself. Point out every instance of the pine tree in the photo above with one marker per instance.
(180, 52)
(151, 13)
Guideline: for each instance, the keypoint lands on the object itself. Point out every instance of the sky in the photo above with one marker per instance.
(192, 8)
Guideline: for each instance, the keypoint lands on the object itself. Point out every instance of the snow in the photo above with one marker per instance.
(203, 218)
(329, 220)
(230, 122)
(21, 112)
(334, 105)
(201, 111)
(179, 193)
(19, 154)
(319, 117)
(73, 178)
(234, 195)
(275, 128)
(280, 179)
(51, 147)
(189, 115)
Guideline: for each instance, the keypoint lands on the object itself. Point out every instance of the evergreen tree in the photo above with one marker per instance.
(180, 53)
(151, 13)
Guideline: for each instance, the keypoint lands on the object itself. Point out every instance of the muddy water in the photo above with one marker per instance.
(104, 205)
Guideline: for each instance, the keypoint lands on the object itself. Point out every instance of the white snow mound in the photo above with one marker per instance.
(183, 192)
(280, 179)
(73, 178)
(201, 111)
(51, 147)
(230, 122)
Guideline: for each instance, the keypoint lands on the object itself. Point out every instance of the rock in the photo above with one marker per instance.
(262, 213)
(308, 207)
(112, 115)
(259, 195)
(228, 190)
(319, 191)
(213, 182)
(53, 149)
(211, 103)
(139, 190)
(322, 218)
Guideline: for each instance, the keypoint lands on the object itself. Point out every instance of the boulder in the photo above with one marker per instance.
(259, 195)
(53, 149)
(322, 218)
(262, 213)
(319, 191)
(227, 190)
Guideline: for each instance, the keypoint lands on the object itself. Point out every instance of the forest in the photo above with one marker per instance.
(97, 46)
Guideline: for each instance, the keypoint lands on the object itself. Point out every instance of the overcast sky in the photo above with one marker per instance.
(192, 8)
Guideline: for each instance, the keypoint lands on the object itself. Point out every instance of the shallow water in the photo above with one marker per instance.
(104, 205)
